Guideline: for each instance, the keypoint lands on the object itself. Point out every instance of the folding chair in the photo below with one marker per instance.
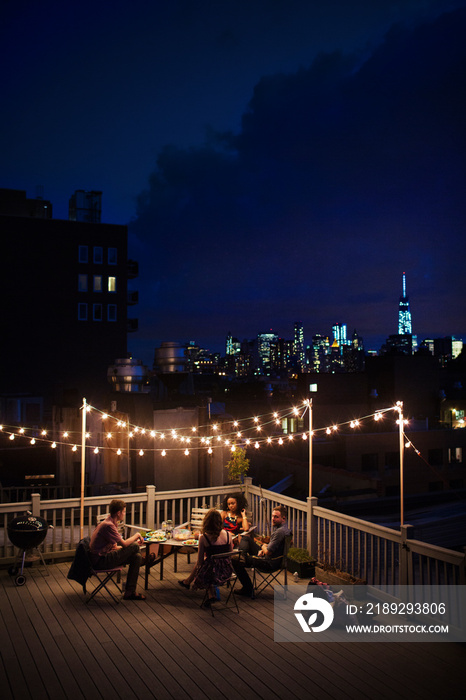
(263, 579)
(81, 570)
(109, 575)
(231, 583)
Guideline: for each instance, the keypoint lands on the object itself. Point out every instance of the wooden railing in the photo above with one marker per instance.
(373, 553)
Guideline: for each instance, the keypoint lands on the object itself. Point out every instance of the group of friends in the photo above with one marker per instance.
(221, 532)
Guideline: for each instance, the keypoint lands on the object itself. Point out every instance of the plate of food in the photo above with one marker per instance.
(190, 543)
(155, 536)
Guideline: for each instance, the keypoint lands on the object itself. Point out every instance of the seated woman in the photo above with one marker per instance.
(213, 540)
(234, 514)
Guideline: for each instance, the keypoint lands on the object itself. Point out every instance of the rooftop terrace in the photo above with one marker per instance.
(54, 646)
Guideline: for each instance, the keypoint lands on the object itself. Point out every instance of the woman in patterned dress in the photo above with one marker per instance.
(234, 514)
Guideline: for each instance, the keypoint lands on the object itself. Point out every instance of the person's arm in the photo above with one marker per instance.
(272, 548)
(200, 551)
(130, 540)
(244, 521)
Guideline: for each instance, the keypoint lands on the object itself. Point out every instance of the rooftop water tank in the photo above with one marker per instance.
(169, 358)
(128, 375)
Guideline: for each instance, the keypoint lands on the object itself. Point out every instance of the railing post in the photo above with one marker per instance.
(247, 483)
(406, 557)
(462, 569)
(312, 533)
(150, 491)
(35, 504)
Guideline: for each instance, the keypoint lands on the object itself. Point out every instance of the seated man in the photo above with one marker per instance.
(265, 558)
(108, 549)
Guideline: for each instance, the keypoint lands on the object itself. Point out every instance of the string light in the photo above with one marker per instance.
(223, 437)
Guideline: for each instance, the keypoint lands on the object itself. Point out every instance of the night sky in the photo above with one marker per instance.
(275, 160)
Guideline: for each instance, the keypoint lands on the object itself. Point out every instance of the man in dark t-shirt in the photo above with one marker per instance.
(267, 557)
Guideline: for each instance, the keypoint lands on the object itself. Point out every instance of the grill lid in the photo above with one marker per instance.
(28, 523)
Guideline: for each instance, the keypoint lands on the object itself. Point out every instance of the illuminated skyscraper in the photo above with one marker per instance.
(298, 345)
(340, 334)
(404, 313)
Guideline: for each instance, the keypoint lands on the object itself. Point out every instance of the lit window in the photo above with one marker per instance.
(82, 312)
(83, 254)
(112, 256)
(97, 312)
(455, 455)
(82, 283)
(112, 312)
(112, 284)
(97, 283)
(98, 255)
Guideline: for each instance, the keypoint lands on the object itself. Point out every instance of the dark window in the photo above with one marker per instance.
(392, 460)
(82, 283)
(97, 312)
(435, 457)
(82, 312)
(112, 312)
(98, 255)
(112, 256)
(457, 483)
(83, 254)
(370, 462)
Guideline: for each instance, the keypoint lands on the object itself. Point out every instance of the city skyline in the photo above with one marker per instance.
(273, 161)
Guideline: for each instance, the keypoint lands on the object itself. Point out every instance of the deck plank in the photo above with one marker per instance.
(54, 645)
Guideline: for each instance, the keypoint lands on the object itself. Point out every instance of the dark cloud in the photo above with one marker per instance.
(342, 176)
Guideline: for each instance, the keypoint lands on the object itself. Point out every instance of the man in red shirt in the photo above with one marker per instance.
(108, 549)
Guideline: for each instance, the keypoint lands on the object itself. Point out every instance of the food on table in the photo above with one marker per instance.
(191, 542)
(181, 534)
(155, 536)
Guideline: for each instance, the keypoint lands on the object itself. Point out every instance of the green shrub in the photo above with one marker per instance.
(299, 554)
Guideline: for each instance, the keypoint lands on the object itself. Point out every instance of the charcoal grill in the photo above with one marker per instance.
(27, 534)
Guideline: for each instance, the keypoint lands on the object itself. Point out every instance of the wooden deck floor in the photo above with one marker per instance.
(54, 646)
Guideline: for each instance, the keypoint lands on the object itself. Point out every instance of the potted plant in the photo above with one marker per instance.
(335, 574)
(300, 561)
(237, 466)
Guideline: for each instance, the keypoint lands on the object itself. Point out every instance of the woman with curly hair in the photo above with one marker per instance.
(209, 573)
(234, 514)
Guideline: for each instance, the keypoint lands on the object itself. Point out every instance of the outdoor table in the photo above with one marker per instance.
(173, 546)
